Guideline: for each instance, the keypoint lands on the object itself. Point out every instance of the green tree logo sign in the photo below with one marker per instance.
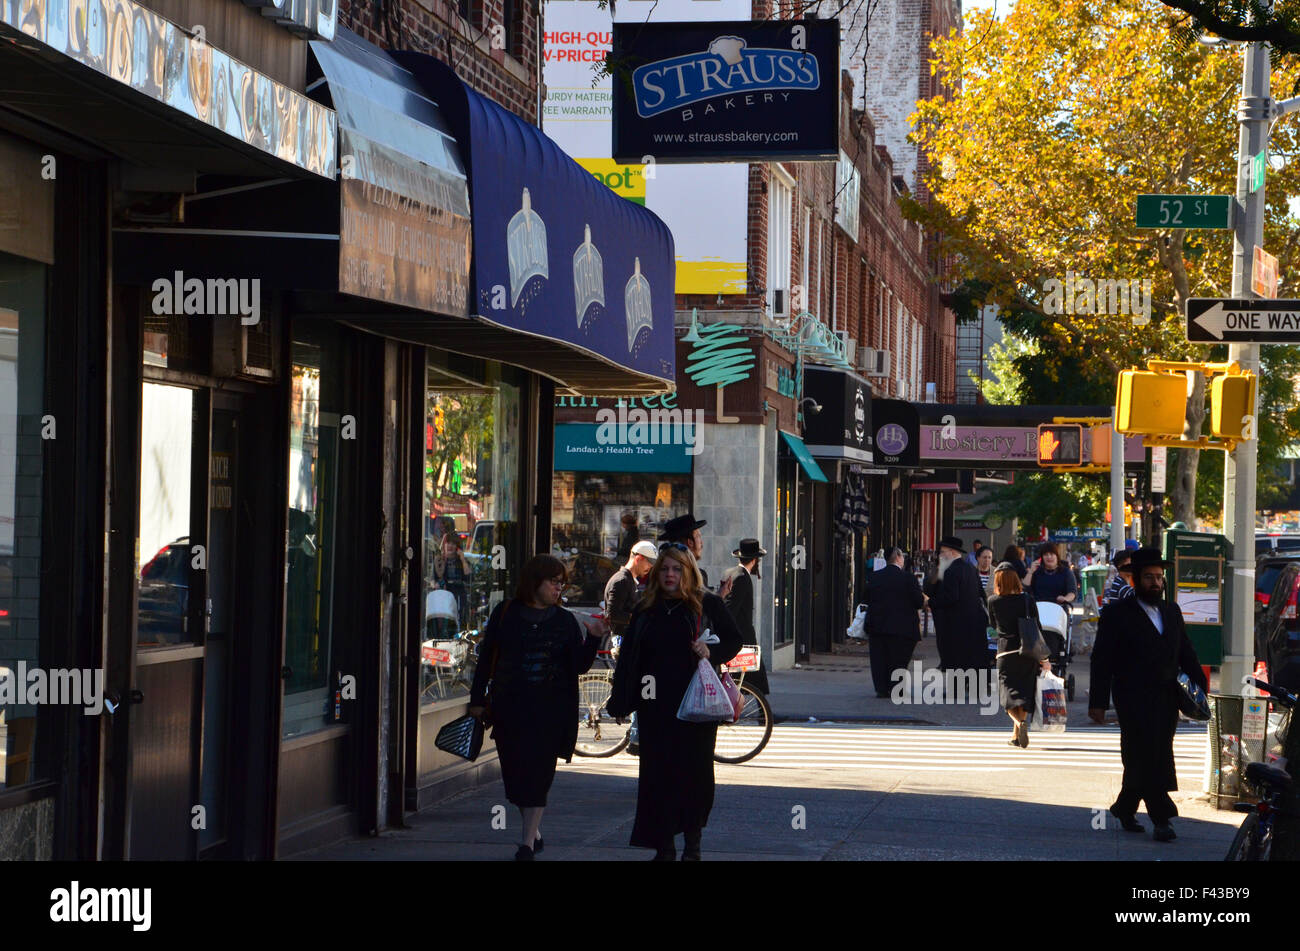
(720, 355)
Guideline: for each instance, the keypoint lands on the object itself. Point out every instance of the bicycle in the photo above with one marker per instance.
(601, 735)
(741, 741)
(1254, 839)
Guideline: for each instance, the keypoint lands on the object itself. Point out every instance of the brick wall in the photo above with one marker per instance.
(506, 75)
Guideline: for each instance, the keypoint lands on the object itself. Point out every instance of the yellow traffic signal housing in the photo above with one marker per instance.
(1128, 512)
(1151, 403)
(1060, 444)
(1232, 406)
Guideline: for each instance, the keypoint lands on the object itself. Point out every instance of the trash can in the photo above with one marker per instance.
(1094, 582)
(1225, 750)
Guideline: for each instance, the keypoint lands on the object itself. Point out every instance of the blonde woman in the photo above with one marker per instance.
(666, 635)
(1017, 673)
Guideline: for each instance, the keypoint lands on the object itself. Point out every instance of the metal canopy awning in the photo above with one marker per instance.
(156, 97)
(557, 255)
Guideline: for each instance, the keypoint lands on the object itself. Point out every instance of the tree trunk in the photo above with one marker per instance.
(1183, 497)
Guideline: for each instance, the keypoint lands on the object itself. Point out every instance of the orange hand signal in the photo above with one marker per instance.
(1047, 445)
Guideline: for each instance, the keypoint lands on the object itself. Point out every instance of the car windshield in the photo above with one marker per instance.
(1288, 543)
(1265, 578)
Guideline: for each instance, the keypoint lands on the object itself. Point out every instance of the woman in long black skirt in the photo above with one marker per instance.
(532, 653)
(1017, 673)
(670, 627)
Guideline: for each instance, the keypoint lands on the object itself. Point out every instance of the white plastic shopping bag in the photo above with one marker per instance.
(1050, 713)
(705, 701)
(858, 629)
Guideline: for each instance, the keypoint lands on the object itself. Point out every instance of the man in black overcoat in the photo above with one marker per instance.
(958, 602)
(738, 583)
(1141, 646)
(893, 597)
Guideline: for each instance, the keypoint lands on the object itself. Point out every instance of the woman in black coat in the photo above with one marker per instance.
(675, 783)
(1017, 673)
(532, 652)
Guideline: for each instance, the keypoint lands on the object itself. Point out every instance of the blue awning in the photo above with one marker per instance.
(810, 467)
(556, 254)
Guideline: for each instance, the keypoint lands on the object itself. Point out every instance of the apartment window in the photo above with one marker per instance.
(780, 225)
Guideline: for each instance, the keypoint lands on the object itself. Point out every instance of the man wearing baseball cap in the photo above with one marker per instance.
(623, 588)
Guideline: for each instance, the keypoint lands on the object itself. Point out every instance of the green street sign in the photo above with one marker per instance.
(1258, 165)
(1184, 211)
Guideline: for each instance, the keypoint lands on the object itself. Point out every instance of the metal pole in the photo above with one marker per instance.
(1240, 465)
(1116, 484)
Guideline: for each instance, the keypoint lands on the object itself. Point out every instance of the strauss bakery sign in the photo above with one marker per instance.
(316, 19)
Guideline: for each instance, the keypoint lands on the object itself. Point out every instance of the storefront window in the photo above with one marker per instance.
(22, 389)
(785, 542)
(313, 493)
(596, 518)
(472, 538)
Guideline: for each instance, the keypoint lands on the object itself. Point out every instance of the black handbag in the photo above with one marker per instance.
(1032, 643)
(1192, 701)
(462, 737)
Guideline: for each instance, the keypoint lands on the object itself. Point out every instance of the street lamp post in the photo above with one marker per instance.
(1254, 112)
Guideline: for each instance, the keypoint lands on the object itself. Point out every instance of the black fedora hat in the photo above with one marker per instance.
(953, 542)
(1146, 558)
(679, 529)
(749, 550)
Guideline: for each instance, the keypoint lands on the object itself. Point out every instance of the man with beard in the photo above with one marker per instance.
(1141, 646)
(961, 617)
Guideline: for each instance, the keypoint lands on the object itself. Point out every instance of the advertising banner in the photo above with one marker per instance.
(737, 91)
(705, 206)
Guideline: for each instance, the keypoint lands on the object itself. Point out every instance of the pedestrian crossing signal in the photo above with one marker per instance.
(1060, 444)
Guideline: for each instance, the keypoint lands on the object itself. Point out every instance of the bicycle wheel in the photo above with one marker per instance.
(599, 734)
(745, 739)
(1242, 849)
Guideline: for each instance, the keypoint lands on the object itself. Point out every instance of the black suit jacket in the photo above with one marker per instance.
(1135, 665)
(893, 597)
(740, 600)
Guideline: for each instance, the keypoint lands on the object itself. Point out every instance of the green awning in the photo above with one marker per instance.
(810, 467)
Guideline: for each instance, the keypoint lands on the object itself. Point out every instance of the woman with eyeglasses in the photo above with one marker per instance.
(672, 628)
(532, 653)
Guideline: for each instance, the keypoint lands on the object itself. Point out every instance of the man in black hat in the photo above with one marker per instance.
(738, 582)
(685, 530)
(961, 616)
(1141, 646)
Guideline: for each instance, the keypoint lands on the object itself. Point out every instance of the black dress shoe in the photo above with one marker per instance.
(525, 854)
(691, 848)
(1127, 823)
(1163, 832)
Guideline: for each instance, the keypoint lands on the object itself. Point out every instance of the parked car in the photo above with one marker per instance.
(1277, 627)
(165, 595)
(1276, 541)
(1267, 568)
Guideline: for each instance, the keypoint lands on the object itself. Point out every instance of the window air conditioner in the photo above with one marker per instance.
(850, 345)
(880, 365)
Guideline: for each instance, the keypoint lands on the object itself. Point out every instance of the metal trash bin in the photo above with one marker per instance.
(1225, 750)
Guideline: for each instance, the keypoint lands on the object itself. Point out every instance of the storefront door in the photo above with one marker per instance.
(179, 731)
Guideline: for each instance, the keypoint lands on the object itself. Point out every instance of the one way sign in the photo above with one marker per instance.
(1216, 320)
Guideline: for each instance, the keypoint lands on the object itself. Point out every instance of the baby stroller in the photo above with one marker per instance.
(1055, 622)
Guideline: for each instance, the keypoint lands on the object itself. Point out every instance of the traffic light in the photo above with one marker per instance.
(1128, 512)
(1149, 403)
(1060, 444)
(1232, 400)
(1100, 436)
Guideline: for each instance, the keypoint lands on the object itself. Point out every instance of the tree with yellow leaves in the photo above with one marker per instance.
(1061, 115)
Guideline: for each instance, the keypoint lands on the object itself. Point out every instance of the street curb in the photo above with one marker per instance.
(848, 718)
